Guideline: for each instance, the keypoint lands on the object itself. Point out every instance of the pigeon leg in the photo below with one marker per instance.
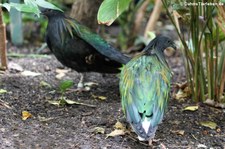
(150, 142)
(84, 86)
(80, 84)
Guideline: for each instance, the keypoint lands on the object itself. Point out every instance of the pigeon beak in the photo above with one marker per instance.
(174, 46)
(170, 51)
(43, 10)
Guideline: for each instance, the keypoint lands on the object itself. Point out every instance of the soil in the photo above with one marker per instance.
(72, 126)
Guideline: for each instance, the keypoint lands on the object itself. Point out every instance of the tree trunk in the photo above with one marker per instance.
(2, 42)
(85, 11)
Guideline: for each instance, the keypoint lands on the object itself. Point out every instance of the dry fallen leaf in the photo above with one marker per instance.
(26, 115)
(175, 122)
(44, 119)
(62, 70)
(201, 146)
(60, 76)
(78, 103)
(54, 102)
(182, 85)
(15, 67)
(99, 97)
(119, 125)
(215, 104)
(90, 84)
(119, 130)
(5, 104)
(64, 101)
(178, 132)
(30, 73)
(209, 124)
(2, 91)
(98, 130)
(184, 91)
(61, 73)
(45, 84)
(116, 132)
(190, 108)
(181, 95)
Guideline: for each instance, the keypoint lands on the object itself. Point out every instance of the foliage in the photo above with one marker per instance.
(64, 85)
(111, 9)
(202, 49)
(125, 13)
(30, 6)
(6, 18)
(126, 22)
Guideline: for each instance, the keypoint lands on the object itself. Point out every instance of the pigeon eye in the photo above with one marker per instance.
(49, 10)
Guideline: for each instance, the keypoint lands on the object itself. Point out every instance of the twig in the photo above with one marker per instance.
(5, 104)
(28, 55)
(85, 104)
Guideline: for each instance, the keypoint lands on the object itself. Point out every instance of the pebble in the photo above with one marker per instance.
(184, 142)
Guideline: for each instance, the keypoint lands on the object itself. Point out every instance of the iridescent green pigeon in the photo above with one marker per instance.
(144, 88)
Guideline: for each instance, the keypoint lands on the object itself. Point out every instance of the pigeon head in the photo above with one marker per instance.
(51, 12)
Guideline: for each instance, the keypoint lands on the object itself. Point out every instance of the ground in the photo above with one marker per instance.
(72, 126)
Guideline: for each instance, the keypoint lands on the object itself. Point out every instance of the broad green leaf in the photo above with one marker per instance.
(6, 5)
(30, 3)
(22, 8)
(64, 85)
(45, 4)
(209, 124)
(30, 6)
(190, 108)
(110, 10)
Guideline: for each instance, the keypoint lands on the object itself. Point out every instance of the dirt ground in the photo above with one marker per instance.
(72, 126)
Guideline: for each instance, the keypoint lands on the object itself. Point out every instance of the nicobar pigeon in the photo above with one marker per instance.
(77, 47)
(144, 88)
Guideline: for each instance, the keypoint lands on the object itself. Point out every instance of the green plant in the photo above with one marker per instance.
(29, 6)
(125, 11)
(62, 101)
(202, 50)
(111, 9)
(64, 85)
